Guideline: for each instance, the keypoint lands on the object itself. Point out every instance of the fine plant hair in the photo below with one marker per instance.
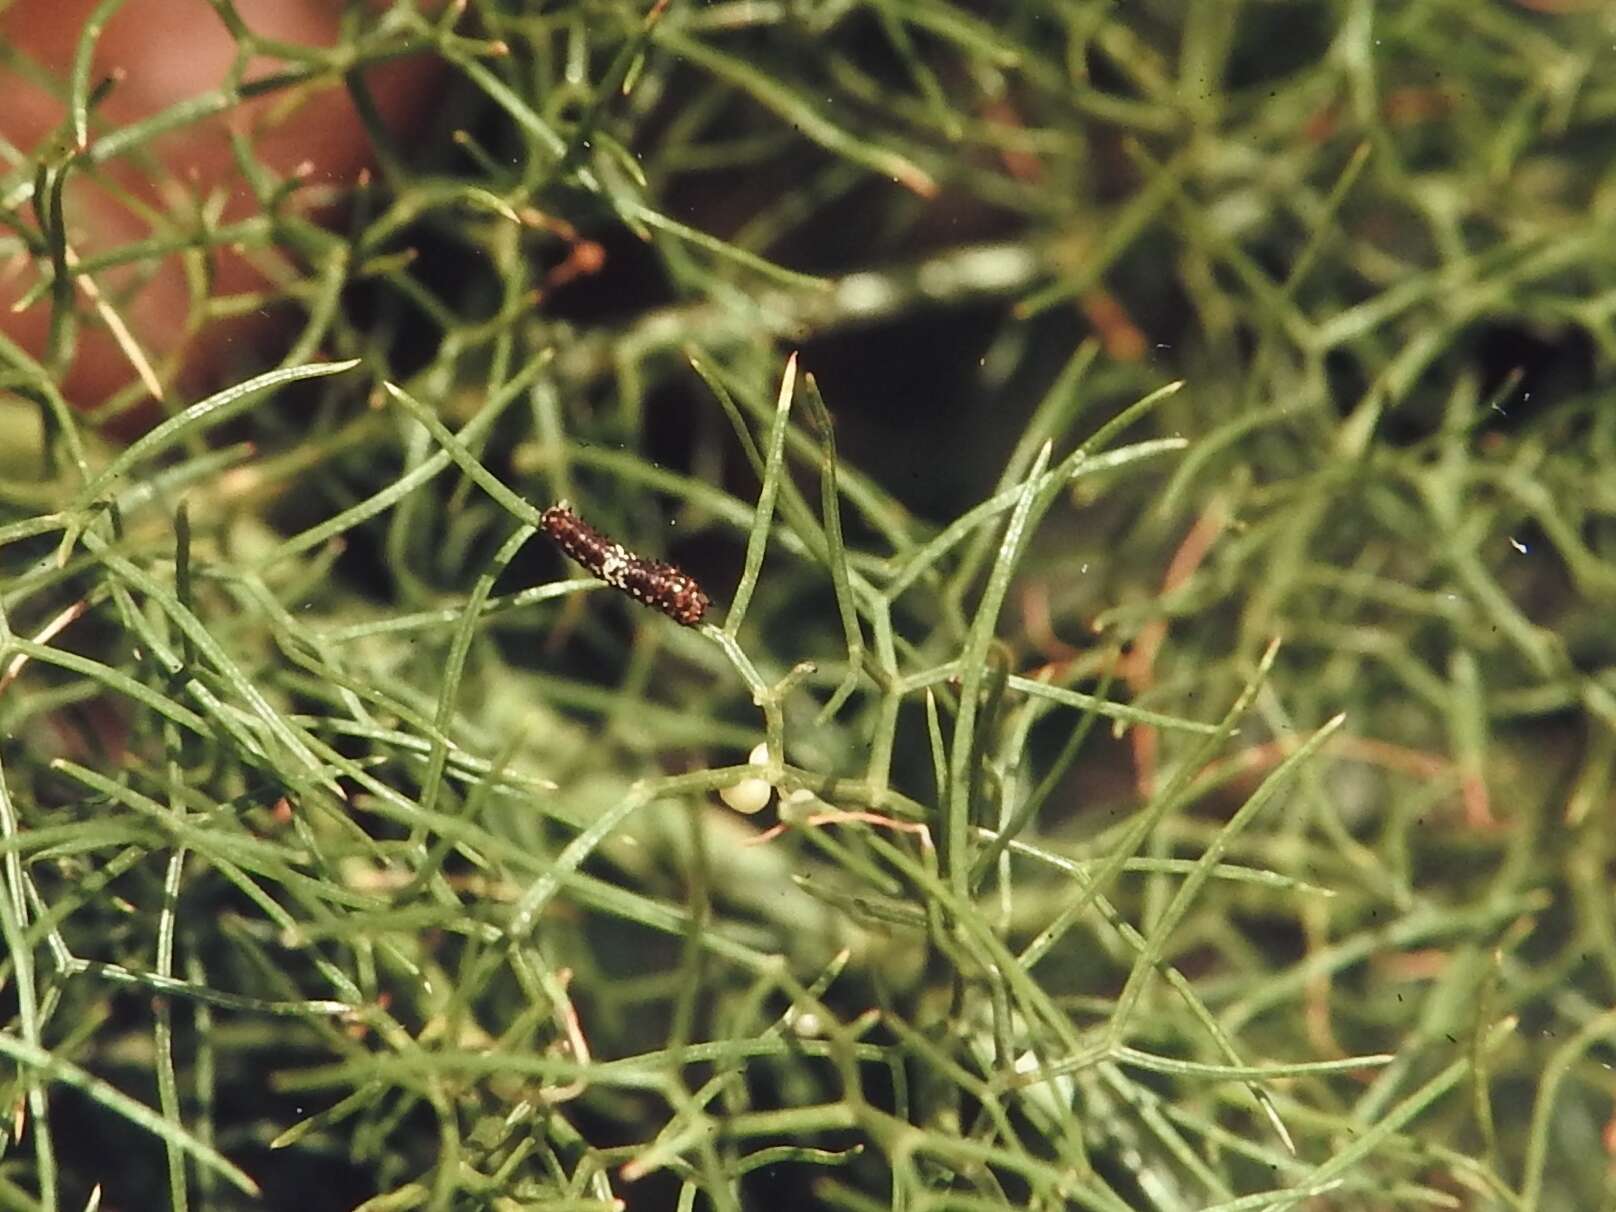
(1149, 473)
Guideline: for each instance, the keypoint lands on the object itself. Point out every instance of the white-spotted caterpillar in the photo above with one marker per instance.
(659, 585)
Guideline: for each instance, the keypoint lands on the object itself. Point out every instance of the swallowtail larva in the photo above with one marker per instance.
(661, 586)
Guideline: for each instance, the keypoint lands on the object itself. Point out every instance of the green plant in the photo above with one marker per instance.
(355, 856)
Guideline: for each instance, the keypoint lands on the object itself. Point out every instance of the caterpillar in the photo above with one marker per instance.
(654, 583)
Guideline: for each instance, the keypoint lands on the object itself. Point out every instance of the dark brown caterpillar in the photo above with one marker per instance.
(666, 588)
